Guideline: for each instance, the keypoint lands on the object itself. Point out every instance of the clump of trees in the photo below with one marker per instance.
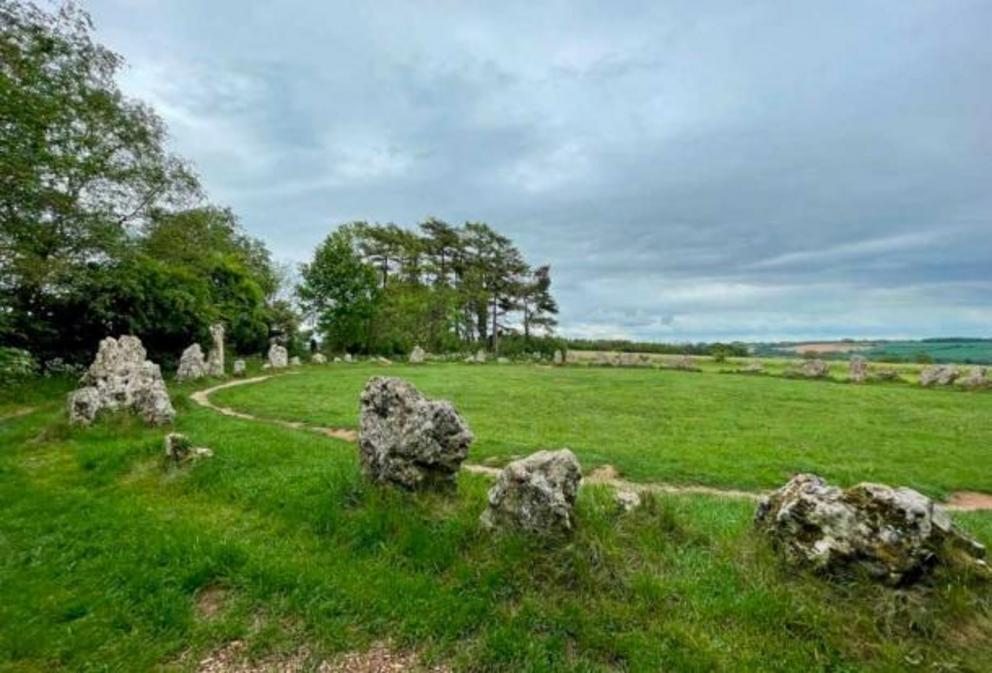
(382, 288)
(102, 230)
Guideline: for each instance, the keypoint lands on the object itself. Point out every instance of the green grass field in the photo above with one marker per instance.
(105, 554)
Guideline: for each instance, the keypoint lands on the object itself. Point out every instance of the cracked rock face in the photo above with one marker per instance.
(215, 360)
(941, 375)
(120, 378)
(895, 534)
(857, 369)
(536, 494)
(407, 440)
(192, 365)
(278, 357)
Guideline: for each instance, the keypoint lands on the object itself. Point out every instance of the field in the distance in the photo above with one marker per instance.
(111, 560)
(683, 427)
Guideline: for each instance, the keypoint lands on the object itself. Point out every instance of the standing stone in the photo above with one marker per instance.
(558, 358)
(191, 364)
(417, 355)
(347, 357)
(337, 359)
(318, 359)
(858, 369)
(295, 361)
(481, 356)
(120, 378)
(536, 494)
(977, 377)
(278, 357)
(178, 449)
(894, 534)
(941, 375)
(407, 440)
(812, 369)
(239, 367)
(215, 360)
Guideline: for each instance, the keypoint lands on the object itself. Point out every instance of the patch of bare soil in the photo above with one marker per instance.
(17, 413)
(602, 474)
(211, 600)
(969, 501)
(233, 658)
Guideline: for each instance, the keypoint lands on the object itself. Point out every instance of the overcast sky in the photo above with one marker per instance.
(691, 170)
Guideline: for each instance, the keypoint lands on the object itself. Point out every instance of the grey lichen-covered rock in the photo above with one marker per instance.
(814, 369)
(895, 534)
(536, 494)
(178, 449)
(857, 369)
(408, 440)
(941, 375)
(337, 359)
(192, 366)
(977, 377)
(120, 378)
(347, 357)
(215, 360)
(627, 500)
(318, 359)
(278, 357)
(239, 368)
(417, 355)
(558, 358)
(295, 361)
(481, 356)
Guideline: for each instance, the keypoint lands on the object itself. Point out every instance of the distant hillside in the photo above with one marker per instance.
(952, 350)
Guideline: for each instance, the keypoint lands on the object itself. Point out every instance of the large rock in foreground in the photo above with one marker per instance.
(120, 378)
(536, 494)
(408, 440)
(895, 534)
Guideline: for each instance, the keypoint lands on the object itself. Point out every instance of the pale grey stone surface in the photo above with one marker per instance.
(120, 378)
(857, 369)
(941, 375)
(536, 494)
(627, 500)
(558, 358)
(192, 366)
(417, 355)
(239, 367)
(215, 359)
(278, 357)
(318, 359)
(977, 377)
(895, 534)
(408, 440)
(295, 361)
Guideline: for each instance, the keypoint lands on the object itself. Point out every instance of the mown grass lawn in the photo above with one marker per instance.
(104, 552)
(717, 429)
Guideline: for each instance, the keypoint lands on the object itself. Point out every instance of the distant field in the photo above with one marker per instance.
(953, 351)
(707, 428)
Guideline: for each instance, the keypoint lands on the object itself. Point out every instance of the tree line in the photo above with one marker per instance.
(383, 288)
(102, 229)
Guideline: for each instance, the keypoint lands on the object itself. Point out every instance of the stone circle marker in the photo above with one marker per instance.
(536, 494)
(407, 440)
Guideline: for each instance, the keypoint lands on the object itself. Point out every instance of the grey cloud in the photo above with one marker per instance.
(745, 169)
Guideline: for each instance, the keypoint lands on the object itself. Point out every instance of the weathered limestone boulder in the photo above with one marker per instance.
(895, 534)
(417, 355)
(318, 359)
(239, 368)
(347, 357)
(120, 378)
(977, 377)
(278, 357)
(941, 375)
(178, 449)
(627, 500)
(814, 369)
(857, 369)
(191, 364)
(558, 358)
(215, 360)
(337, 359)
(481, 356)
(536, 494)
(408, 440)
(295, 361)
